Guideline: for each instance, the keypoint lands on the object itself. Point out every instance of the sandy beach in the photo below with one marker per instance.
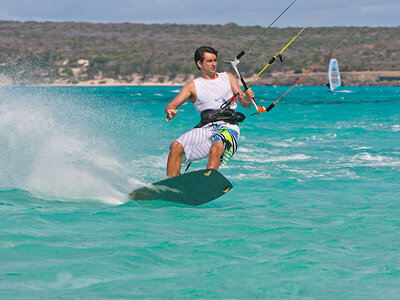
(364, 78)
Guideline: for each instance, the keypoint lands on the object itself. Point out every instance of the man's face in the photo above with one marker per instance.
(209, 65)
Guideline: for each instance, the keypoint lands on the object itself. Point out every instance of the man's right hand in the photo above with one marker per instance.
(171, 113)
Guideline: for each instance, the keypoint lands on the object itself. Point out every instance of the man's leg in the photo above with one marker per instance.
(216, 151)
(174, 159)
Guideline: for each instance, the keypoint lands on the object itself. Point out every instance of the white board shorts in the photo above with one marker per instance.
(197, 142)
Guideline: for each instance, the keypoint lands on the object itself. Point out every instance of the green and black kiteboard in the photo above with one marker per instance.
(193, 188)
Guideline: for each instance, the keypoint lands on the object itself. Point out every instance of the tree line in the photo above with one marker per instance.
(35, 52)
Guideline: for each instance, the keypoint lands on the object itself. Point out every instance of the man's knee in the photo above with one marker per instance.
(176, 148)
(218, 148)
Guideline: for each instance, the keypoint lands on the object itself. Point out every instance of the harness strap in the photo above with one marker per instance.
(227, 115)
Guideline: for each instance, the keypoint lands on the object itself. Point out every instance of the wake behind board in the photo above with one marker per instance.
(193, 188)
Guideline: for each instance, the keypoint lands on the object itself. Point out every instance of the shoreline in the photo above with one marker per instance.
(353, 78)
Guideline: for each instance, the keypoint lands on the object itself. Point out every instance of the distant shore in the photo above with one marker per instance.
(132, 54)
(364, 78)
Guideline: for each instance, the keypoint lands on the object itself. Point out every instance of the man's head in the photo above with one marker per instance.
(200, 54)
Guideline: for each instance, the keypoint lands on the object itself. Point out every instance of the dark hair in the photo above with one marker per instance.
(199, 53)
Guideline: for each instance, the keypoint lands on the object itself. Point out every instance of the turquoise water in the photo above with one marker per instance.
(314, 212)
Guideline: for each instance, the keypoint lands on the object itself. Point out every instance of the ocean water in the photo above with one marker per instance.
(314, 212)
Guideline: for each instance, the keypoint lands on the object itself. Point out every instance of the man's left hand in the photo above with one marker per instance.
(250, 93)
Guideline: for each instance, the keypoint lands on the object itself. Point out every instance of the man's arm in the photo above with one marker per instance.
(186, 92)
(243, 98)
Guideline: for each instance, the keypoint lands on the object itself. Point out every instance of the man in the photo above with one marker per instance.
(217, 134)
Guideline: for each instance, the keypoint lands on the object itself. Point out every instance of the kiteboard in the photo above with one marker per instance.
(193, 188)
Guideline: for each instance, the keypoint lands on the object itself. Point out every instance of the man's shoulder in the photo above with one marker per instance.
(230, 75)
(189, 84)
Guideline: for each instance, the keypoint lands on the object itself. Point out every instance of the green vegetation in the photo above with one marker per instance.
(43, 52)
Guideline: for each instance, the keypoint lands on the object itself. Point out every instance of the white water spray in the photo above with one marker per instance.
(45, 153)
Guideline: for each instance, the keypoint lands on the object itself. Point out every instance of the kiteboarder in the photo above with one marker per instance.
(214, 96)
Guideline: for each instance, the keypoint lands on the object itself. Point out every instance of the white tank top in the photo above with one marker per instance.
(211, 93)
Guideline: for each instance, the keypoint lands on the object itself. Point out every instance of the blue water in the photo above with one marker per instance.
(314, 212)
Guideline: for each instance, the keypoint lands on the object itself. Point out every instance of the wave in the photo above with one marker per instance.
(47, 154)
(263, 159)
(366, 159)
(395, 127)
